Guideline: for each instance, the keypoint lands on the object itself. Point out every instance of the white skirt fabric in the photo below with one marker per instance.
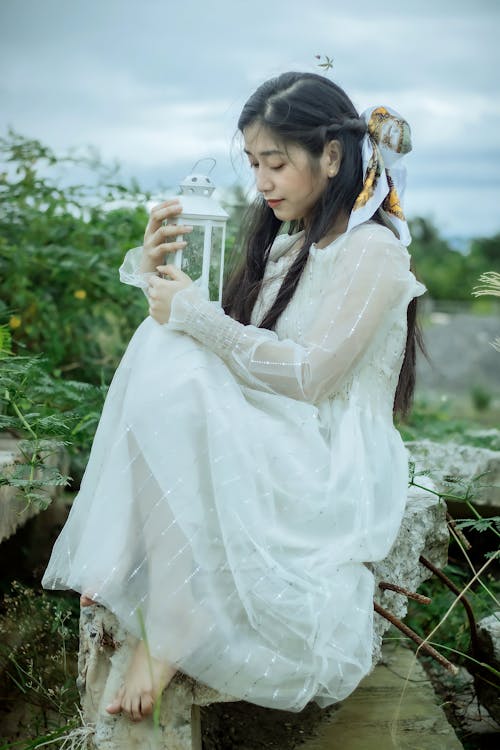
(235, 523)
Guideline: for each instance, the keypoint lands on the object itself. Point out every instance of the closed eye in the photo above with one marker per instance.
(276, 168)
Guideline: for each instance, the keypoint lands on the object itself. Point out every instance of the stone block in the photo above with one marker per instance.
(465, 463)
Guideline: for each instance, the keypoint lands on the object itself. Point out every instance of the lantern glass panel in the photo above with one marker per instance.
(215, 263)
(192, 256)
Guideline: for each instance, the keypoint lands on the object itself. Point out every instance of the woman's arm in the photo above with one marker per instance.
(370, 277)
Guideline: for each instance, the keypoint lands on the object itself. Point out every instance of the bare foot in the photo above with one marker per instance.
(86, 601)
(145, 681)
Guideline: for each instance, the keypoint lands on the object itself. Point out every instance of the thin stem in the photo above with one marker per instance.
(470, 658)
(453, 525)
(459, 597)
(452, 586)
(416, 638)
(385, 586)
(23, 419)
(471, 565)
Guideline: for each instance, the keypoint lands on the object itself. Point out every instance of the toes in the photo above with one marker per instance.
(114, 708)
(116, 705)
(133, 708)
(147, 705)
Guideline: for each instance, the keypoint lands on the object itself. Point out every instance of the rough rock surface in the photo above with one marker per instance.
(423, 532)
(105, 647)
(453, 467)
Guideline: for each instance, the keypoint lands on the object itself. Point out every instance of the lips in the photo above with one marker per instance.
(274, 203)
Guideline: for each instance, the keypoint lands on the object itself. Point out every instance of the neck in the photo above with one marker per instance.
(338, 228)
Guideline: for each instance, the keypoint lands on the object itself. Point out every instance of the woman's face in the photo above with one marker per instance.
(284, 176)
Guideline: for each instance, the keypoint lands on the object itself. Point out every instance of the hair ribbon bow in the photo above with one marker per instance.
(387, 140)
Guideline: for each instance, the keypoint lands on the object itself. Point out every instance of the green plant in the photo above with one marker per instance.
(60, 249)
(490, 285)
(481, 397)
(450, 420)
(49, 416)
(38, 658)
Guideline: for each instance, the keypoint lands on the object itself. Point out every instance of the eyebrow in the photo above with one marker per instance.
(269, 152)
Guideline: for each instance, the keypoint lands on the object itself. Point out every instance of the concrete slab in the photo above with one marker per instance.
(393, 708)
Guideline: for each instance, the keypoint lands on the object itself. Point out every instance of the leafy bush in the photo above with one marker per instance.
(49, 416)
(60, 248)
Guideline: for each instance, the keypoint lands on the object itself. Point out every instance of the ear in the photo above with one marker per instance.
(332, 156)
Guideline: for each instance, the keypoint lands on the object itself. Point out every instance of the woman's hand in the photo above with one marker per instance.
(160, 239)
(162, 291)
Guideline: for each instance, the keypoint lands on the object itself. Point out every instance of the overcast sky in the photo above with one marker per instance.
(158, 84)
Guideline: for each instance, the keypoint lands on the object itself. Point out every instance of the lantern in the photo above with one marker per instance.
(204, 254)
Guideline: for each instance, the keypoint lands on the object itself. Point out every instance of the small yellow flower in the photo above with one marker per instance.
(80, 294)
(15, 322)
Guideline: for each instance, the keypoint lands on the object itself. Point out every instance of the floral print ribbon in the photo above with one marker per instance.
(387, 140)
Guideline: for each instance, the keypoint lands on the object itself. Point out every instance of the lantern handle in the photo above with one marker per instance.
(205, 158)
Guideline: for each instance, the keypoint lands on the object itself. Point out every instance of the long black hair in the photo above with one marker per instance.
(308, 110)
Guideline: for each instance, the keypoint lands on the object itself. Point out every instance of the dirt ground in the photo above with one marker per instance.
(243, 726)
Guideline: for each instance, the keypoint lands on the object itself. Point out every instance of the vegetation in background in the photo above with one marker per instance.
(450, 420)
(38, 665)
(447, 273)
(60, 249)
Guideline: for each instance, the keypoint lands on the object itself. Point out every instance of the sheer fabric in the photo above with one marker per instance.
(240, 478)
(370, 279)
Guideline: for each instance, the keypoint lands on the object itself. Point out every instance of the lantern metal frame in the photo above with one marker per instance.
(200, 209)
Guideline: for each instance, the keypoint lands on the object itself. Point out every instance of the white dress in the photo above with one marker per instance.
(240, 478)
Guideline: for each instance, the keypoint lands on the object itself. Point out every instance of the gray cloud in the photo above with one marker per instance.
(157, 84)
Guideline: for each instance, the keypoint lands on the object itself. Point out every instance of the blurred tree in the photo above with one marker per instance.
(448, 273)
(60, 248)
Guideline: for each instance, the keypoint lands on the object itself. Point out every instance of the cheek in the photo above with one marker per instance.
(315, 188)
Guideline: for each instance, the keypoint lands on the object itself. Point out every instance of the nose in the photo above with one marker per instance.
(263, 181)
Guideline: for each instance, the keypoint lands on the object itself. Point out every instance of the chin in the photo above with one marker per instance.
(282, 214)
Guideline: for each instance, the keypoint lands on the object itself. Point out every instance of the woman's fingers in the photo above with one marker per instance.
(167, 232)
(158, 245)
(163, 212)
(176, 274)
(159, 251)
(160, 214)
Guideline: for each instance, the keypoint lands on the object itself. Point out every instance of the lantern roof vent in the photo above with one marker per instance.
(198, 183)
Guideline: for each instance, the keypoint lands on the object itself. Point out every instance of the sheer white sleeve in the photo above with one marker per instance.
(370, 282)
(131, 270)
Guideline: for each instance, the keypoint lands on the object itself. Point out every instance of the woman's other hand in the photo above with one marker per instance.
(162, 291)
(161, 239)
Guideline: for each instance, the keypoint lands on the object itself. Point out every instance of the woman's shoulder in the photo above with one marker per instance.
(369, 238)
(372, 231)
